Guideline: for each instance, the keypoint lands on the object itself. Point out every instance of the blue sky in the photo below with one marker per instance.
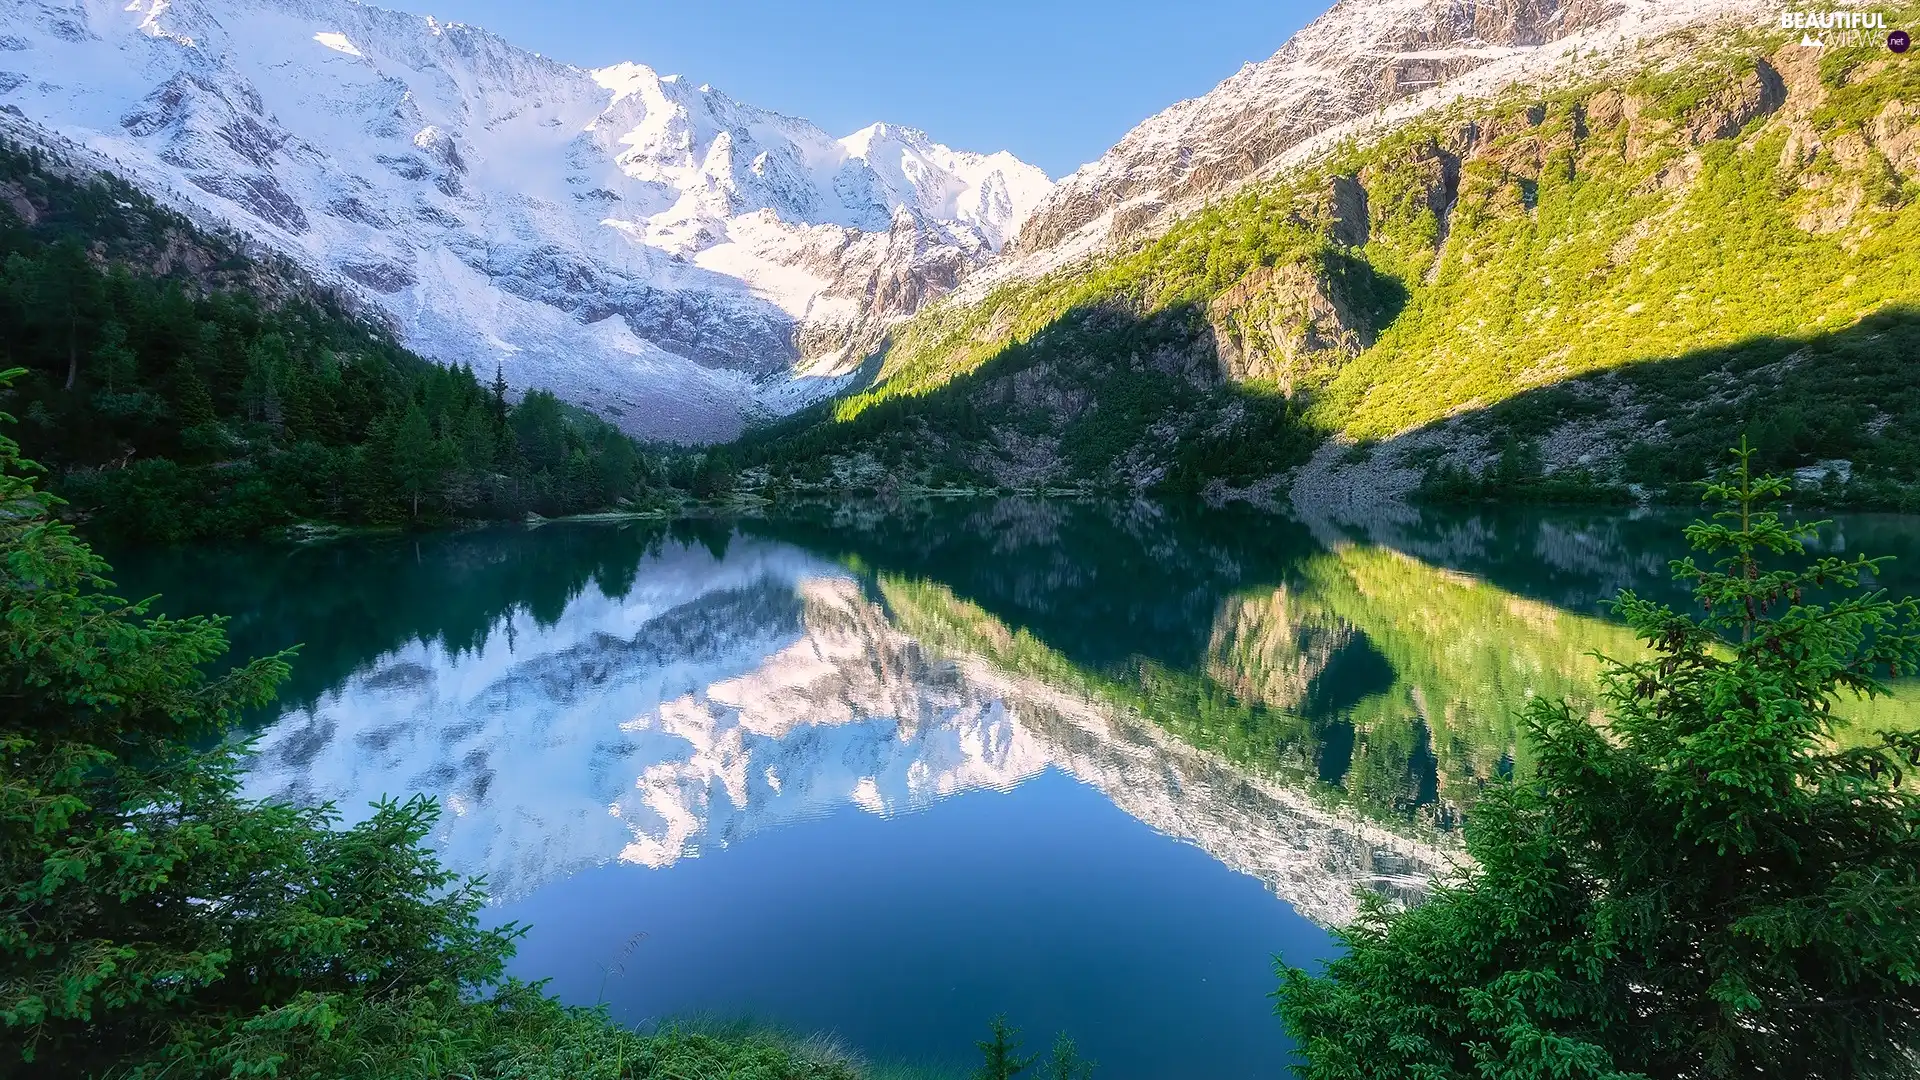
(1054, 81)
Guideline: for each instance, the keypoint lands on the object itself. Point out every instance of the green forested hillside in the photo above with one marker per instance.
(179, 387)
(1562, 290)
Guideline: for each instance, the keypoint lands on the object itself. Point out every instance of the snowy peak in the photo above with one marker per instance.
(989, 192)
(654, 250)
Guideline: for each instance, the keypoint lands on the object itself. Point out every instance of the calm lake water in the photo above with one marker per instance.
(888, 773)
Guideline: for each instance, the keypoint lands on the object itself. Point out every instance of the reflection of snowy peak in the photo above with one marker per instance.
(851, 712)
(719, 698)
(1310, 856)
(649, 248)
(755, 690)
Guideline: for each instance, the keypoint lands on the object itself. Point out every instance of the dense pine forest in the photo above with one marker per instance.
(179, 386)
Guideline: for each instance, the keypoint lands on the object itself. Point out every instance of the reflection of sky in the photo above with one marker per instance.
(903, 936)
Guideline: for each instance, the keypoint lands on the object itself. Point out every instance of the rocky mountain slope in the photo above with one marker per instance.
(1572, 286)
(672, 258)
(1349, 64)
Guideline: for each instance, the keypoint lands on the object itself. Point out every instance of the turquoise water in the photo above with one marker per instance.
(887, 773)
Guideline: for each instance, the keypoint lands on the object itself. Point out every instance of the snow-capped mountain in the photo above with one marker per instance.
(676, 260)
(1358, 58)
(657, 251)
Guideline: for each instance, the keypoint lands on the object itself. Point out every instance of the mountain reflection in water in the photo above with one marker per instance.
(1312, 704)
(723, 695)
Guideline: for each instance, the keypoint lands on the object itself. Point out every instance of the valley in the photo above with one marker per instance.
(1399, 566)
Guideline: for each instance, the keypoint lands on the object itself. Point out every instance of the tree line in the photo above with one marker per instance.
(178, 387)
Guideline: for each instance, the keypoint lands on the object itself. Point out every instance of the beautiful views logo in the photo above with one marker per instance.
(1839, 29)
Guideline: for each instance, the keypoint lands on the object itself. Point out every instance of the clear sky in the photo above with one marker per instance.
(1054, 81)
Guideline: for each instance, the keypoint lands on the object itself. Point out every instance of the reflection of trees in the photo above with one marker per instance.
(348, 602)
(1277, 744)
(1372, 677)
(1103, 583)
(1391, 678)
(1465, 658)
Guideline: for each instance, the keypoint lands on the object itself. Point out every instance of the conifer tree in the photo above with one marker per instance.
(476, 439)
(112, 358)
(153, 922)
(1001, 1055)
(499, 391)
(618, 460)
(413, 455)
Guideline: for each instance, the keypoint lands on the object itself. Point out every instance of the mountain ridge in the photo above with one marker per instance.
(658, 252)
(1730, 204)
(1361, 61)
(684, 263)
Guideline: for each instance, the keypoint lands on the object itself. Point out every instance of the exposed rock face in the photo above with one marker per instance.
(1360, 55)
(658, 251)
(1284, 323)
(1822, 174)
(1895, 132)
(1732, 107)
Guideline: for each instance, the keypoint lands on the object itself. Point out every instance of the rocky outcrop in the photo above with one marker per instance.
(1285, 324)
(1271, 648)
(1895, 133)
(1730, 108)
(1424, 181)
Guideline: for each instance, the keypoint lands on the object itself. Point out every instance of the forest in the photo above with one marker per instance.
(179, 386)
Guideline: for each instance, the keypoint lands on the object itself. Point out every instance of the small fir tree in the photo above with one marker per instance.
(415, 459)
(1001, 1055)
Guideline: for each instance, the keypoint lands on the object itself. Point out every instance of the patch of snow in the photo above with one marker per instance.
(337, 42)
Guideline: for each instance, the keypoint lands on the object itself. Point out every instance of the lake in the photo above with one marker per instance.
(889, 772)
